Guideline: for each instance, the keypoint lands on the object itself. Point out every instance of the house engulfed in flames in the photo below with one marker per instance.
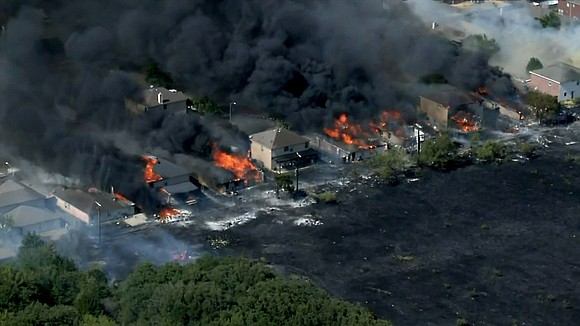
(349, 141)
(244, 172)
(451, 108)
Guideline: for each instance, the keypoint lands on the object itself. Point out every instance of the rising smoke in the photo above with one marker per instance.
(304, 61)
(519, 35)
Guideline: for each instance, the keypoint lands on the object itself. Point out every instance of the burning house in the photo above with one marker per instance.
(451, 108)
(240, 172)
(347, 141)
(278, 149)
(93, 206)
(176, 184)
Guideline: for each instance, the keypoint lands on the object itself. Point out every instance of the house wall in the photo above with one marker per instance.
(291, 148)
(569, 90)
(436, 112)
(333, 151)
(73, 211)
(171, 107)
(544, 85)
(42, 227)
(569, 8)
(108, 215)
(172, 181)
(261, 154)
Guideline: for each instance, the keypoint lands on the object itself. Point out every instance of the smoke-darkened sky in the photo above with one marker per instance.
(303, 60)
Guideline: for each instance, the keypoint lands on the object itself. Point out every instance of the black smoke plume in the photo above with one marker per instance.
(300, 60)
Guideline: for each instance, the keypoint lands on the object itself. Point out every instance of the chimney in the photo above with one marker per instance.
(113, 193)
(433, 25)
(160, 98)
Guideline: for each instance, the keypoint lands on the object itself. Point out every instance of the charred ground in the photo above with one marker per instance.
(493, 245)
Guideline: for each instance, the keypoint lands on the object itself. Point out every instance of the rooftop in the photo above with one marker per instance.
(450, 97)
(86, 201)
(167, 169)
(152, 96)
(12, 193)
(278, 138)
(560, 72)
(27, 215)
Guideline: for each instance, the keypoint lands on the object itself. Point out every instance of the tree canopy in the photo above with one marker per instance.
(157, 77)
(439, 153)
(550, 20)
(542, 105)
(534, 64)
(204, 105)
(481, 42)
(44, 288)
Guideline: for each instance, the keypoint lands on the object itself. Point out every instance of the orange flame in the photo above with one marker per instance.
(346, 132)
(167, 213)
(482, 90)
(465, 121)
(239, 165)
(150, 175)
(120, 197)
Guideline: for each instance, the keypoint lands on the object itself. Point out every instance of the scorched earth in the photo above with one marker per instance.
(488, 244)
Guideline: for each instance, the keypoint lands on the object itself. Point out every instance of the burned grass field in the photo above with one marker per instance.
(491, 245)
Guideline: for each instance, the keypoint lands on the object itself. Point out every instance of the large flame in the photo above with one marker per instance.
(353, 134)
(347, 132)
(465, 121)
(168, 212)
(239, 165)
(150, 175)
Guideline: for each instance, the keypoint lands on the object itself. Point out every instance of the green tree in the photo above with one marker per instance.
(434, 78)
(439, 153)
(481, 42)
(551, 20)
(155, 76)
(90, 320)
(542, 105)
(491, 151)
(284, 181)
(390, 163)
(534, 64)
(204, 105)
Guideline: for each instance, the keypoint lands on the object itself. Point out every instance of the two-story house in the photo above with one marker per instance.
(279, 149)
(560, 80)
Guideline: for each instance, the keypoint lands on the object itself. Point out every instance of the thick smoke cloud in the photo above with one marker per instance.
(300, 60)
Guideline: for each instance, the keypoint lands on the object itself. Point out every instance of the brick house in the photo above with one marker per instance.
(560, 80)
(569, 8)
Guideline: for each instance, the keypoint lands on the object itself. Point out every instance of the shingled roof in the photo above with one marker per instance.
(559, 72)
(12, 193)
(278, 138)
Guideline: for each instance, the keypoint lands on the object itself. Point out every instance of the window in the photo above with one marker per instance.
(565, 94)
(577, 82)
(306, 145)
(286, 149)
(549, 83)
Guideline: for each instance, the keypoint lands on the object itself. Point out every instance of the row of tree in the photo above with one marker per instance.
(442, 153)
(44, 288)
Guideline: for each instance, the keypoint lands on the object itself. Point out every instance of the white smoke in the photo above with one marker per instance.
(512, 25)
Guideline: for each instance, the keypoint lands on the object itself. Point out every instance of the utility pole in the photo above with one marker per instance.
(98, 222)
(231, 105)
(297, 170)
